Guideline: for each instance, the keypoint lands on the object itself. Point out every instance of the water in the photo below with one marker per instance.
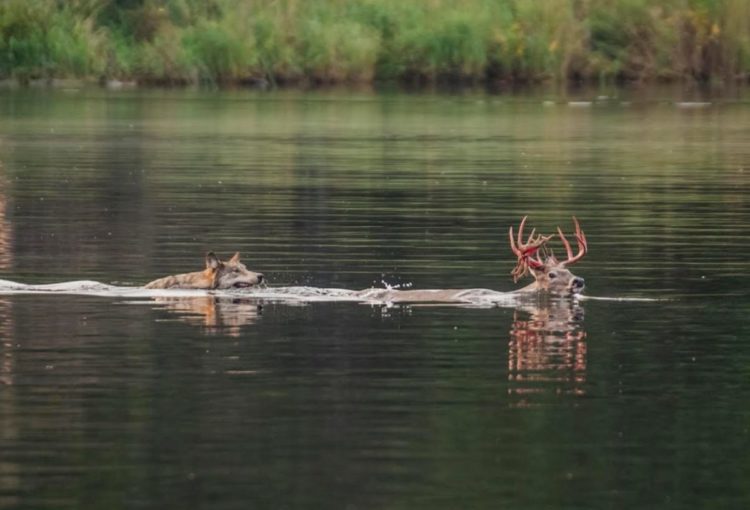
(234, 401)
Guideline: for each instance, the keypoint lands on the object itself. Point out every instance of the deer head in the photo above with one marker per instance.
(536, 259)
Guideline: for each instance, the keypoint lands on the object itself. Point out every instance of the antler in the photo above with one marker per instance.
(528, 252)
(582, 246)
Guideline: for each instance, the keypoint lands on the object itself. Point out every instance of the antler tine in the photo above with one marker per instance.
(529, 252)
(565, 243)
(532, 244)
(519, 270)
(580, 238)
(513, 246)
(516, 242)
(531, 236)
(538, 259)
(519, 239)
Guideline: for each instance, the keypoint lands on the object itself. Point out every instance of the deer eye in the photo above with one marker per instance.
(552, 276)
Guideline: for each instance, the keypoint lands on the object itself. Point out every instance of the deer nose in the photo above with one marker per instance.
(578, 282)
(260, 277)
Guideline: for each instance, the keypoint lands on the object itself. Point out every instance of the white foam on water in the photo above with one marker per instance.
(296, 294)
(303, 294)
(624, 299)
(94, 288)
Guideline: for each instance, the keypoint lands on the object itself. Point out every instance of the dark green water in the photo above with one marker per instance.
(115, 403)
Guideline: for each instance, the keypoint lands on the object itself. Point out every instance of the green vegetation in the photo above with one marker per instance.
(332, 41)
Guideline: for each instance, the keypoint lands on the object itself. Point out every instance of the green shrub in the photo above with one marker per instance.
(39, 39)
(334, 51)
(216, 54)
(454, 46)
(274, 53)
(164, 60)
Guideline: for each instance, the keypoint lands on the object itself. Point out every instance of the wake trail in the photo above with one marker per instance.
(289, 294)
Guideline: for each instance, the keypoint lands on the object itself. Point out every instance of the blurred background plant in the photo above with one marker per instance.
(334, 41)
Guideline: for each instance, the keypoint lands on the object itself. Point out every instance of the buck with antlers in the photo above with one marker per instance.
(533, 258)
(536, 259)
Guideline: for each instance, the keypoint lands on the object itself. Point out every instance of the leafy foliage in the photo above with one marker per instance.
(220, 41)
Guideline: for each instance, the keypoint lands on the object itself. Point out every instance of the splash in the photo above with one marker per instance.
(396, 286)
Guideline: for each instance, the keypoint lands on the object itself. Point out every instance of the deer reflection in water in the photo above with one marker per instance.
(547, 350)
(6, 230)
(6, 264)
(216, 315)
(10, 478)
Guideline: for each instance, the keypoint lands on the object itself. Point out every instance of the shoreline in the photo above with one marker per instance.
(550, 93)
(92, 82)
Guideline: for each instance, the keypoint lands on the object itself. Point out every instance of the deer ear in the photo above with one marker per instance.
(212, 261)
(235, 258)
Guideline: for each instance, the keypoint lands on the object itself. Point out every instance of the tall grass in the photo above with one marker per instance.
(328, 41)
(40, 39)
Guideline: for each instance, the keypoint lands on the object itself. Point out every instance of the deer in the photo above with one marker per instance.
(536, 259)
(533, 258)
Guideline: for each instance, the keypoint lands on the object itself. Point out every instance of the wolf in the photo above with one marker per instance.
(230, 274)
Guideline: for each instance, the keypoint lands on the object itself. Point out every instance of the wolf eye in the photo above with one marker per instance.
(552, 276)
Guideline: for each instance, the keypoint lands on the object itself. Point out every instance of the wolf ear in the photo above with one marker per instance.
(235, 258)
(212, 261)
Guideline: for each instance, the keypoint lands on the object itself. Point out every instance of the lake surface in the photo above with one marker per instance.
(112, 402)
